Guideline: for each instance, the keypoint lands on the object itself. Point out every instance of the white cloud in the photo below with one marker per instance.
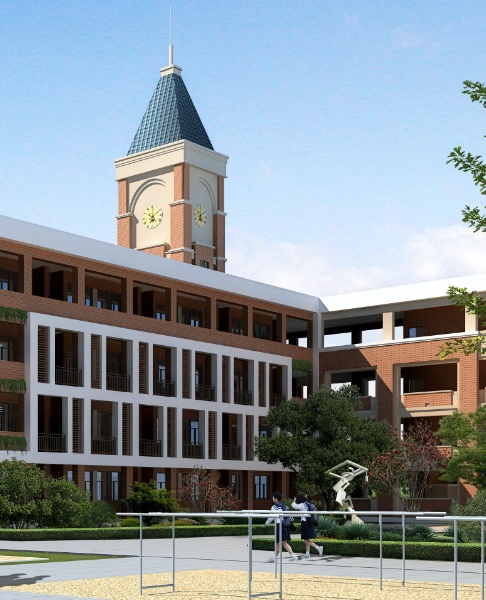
(435, 253)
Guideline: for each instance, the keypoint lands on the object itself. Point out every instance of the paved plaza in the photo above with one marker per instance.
(225, 553)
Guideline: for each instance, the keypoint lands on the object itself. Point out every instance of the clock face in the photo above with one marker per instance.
(199, 215)
(152, 216)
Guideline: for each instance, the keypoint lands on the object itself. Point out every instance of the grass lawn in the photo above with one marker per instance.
(50, 556)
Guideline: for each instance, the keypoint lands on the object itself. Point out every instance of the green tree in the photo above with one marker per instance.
(466, 434)
(313, 436)
(472, 302)
(28, 497)
(145, 497)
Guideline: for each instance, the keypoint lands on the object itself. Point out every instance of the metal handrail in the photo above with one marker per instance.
(243, 397)
(117, 382)
(51, 442)
(103, 445)
(205, 392)
(150, 448)
(68, 376)
(277, 399)
(163, 387)
(192, 450)
(231, 452)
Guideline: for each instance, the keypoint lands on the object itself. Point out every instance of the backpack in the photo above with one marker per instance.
(312, 520)
(287, 521)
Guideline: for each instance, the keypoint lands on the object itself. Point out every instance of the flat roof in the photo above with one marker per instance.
(72, 244)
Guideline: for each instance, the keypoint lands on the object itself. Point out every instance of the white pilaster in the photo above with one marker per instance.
(388, 326)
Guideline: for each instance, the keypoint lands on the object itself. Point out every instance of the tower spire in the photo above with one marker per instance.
(171, 49)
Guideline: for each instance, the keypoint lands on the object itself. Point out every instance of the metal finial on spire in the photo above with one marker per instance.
(171, 60)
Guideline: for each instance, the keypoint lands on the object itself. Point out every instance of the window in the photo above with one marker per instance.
(161, 481)
(8, 348)
(261, 487)
(236, 486)
(198, 375)
(160, 312)
(204, 264)
(415, 332)
(113, 363)
(69, 296)
(238, 379)
(87, 483)
(262, 331)
(88, 296)
(194, 432)
(234, 434)
(161, 371)
(191, 317)
(237, 326)
(108, 300)
(262, 432)
(115, 489)
(8, 280)
(69, 475)
(102, 423)
(99, 486)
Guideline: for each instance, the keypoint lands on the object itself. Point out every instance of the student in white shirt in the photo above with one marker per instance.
(307, 531)
(277, 505)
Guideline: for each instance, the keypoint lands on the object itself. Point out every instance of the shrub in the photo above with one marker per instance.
(130, 522)
(475, 507)
(419, 532)
(327, 527)
(145, 497)
(357, 531)
(101, 513)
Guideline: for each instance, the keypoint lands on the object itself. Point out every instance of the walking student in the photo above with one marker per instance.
(307, 528)
(277, 505)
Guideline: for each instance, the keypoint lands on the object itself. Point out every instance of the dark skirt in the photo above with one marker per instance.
(307, 532)
(285, 533)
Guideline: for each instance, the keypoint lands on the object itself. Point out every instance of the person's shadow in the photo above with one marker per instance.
(16, 579)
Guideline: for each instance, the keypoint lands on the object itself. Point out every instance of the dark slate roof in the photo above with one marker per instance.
(170, 116)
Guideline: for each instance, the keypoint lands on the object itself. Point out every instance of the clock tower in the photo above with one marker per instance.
(171, 182)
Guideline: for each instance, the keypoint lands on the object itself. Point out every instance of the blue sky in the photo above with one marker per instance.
(337, 116)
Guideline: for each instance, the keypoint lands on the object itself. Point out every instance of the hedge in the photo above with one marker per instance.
(127, 533)
(371, 548)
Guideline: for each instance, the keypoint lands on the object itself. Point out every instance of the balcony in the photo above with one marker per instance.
(103, 445)
(205, 392)
(276, 399)
(244, 397)
(231, 452)
(192, 450)
(9, 352)
(163, 387)
(440, 402)
(66, 376)
(117, 383)
(150, 448)
(52, 442)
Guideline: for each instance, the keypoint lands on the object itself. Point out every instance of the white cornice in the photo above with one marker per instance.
(124, 215)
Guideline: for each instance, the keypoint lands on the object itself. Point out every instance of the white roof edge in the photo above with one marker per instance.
(414, 292)
(48, 238)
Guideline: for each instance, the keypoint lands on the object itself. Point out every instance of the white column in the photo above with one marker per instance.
(231, 381)
(470, 322)
(31, 408)
(51, 353)
(84, 354)
(135, 433)
(241, 420)
(87, 425)
(177, 371)
(118, 426)
(287, 380)
(203, 432)
(192, 374)
(388, 326)
(267, 384)
(318, 335)
(177, 428)
(253, 380)
(150, 369)
(133, 364)
(219, 435)
(67, 422)
(160, 429)
(103, 362)
(218, 381)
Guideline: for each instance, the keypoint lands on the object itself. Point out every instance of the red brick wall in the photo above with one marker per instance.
(435, 321)
(428, 399)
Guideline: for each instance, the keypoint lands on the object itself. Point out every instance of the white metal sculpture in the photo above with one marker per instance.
(352, 470)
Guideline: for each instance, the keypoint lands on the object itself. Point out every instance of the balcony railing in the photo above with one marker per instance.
(244, 397)
(117, 383)
(150, 448)
(231, 452)
(103, 445)
(163, 387)
(9, 353)
(277, 399)
(192, 450)
(205, 392)
(66, 376)
(52, 442)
